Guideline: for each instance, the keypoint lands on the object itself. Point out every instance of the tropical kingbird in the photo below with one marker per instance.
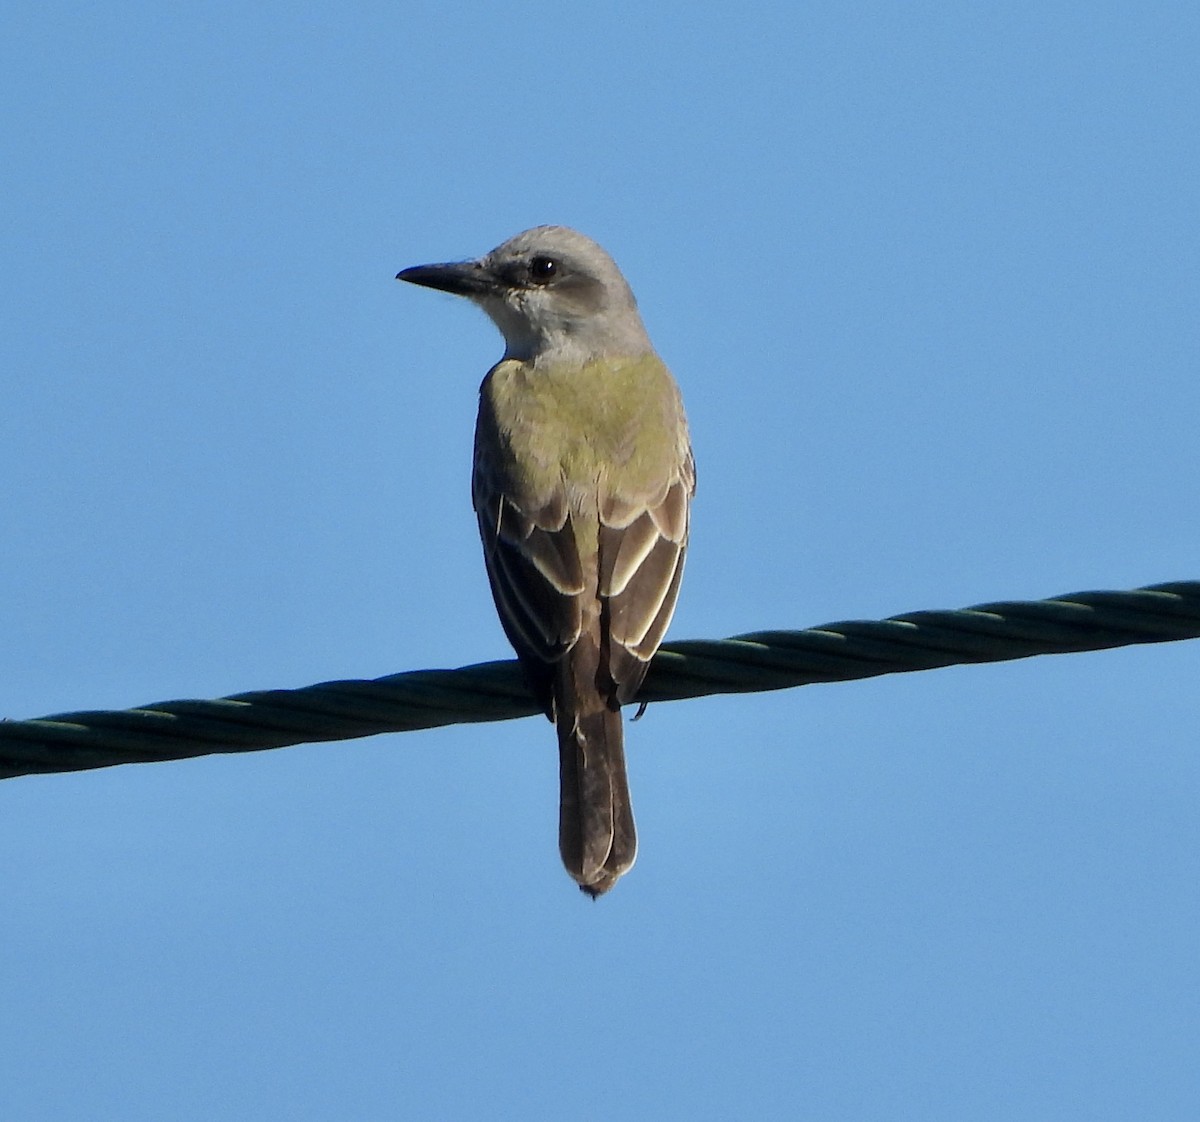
(582, 481)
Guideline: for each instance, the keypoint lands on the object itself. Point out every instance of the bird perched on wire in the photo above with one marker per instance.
(582, 482)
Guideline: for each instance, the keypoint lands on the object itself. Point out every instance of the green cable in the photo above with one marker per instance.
(495, 691)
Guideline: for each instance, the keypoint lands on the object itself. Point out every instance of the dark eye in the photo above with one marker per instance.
(542, 269)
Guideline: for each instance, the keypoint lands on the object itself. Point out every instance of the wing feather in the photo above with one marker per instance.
(623, 551)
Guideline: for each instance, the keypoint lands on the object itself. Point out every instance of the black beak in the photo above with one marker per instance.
(463, 278)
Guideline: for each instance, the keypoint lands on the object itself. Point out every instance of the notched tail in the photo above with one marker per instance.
(596, 835)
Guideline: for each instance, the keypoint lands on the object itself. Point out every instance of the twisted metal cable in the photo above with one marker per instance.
(495, 691)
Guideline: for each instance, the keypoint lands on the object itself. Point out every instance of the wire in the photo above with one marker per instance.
(496, 691)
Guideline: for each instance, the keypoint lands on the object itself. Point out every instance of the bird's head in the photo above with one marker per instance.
(554, 294)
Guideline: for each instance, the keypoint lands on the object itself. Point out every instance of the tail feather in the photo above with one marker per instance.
(596, 834)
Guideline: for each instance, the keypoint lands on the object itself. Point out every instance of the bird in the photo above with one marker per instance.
(582, 484)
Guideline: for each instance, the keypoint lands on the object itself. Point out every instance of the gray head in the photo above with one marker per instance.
(554, 294)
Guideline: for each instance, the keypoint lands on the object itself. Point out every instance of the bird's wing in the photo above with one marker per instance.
(534, 569)
(539, 585)
(643, 542)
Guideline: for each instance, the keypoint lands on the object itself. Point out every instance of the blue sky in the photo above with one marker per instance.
(927, 275)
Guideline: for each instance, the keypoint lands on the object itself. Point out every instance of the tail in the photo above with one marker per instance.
(596, 836)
